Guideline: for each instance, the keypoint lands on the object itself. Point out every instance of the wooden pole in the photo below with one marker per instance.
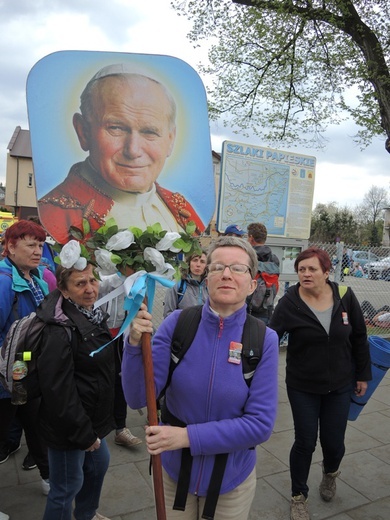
(153, 421)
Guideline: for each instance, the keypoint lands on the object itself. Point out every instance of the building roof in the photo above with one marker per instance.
(20, 144)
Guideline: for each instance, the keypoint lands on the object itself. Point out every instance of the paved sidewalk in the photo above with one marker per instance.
(363, 486)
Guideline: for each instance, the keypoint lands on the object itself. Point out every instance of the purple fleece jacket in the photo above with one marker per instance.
(210, 395)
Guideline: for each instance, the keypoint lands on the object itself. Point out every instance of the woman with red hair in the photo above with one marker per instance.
(23, 285)
(327, 359)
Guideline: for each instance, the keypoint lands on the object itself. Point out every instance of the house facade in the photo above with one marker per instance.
(20, 193)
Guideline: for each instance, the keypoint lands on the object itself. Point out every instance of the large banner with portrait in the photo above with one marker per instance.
(119, 135)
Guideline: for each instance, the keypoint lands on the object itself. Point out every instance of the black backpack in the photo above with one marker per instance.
(252, 342)
(267, 288)
(22, 345)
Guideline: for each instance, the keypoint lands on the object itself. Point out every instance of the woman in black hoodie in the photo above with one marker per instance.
(327, 356)
(77, 394)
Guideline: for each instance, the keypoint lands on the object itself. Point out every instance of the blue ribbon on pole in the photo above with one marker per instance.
(143, 285)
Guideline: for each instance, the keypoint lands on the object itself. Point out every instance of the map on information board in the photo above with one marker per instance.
(265, 185)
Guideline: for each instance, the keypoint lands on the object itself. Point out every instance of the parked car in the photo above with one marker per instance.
(363, 257)
(379, 269)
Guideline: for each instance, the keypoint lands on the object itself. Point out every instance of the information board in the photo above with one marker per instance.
(265, 185)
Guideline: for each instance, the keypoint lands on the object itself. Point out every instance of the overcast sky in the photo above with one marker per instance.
(31, 29)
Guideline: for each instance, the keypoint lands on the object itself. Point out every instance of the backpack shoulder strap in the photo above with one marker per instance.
(184, 332)
(342, 290)
(252, 346)
(182, 338)
(181, 290)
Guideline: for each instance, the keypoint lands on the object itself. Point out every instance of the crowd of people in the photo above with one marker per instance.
(215, 410)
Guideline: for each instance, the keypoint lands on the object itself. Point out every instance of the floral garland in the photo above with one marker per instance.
(112, 249)
(144, 257)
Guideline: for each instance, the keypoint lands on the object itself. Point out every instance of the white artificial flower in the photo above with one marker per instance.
(120, 240)
(70, 253)
(103, 259)
(169, 271)
(155, 257)
(166, 243)
(81, 264)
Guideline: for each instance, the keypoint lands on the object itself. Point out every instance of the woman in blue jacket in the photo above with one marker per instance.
(218, 413)
(23, 285)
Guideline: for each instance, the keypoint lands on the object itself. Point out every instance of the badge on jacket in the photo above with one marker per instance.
(235, 350)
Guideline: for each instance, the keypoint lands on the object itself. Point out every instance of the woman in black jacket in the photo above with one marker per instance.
(77, 394)
(327, 357)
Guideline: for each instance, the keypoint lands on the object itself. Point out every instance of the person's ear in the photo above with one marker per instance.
(252, 287)
(82, 131)
(64, 293)
(172, 138)
(11, 248)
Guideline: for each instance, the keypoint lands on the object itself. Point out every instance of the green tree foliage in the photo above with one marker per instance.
(361, 225)
(285, 69)
(330, 223)
(370, 213)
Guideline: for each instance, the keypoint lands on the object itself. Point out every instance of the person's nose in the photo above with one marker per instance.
(227, 274)
(132, 147)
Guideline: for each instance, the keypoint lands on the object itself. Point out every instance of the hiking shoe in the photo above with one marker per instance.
(328, 485)
(298, 508)
(127, 439)
(29, 462)
(7, 451)
(100, 517)
(45, 486)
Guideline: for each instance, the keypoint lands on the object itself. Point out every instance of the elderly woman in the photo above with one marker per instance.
(213, 413)
(192, 288)
(327, 357)
(77, 394)
(23, 285)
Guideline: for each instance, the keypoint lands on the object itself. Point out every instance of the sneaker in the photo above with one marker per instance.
(298, 508)
(29, 462)
(100, 517)
(6, 452)
(127, 439)
(45, 486)
(328, 486)
(3, 516)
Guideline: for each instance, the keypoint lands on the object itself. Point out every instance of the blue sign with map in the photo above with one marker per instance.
(265, 185)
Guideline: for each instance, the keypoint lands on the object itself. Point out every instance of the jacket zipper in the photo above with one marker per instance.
(220, 330)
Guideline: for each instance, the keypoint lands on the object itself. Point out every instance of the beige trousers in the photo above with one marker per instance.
(234, 505)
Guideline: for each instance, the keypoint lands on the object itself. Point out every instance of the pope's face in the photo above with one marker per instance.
(129, 134)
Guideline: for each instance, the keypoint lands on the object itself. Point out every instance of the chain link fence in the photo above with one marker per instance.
(365, 270)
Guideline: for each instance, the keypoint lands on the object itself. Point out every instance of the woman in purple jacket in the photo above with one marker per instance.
(212, 411)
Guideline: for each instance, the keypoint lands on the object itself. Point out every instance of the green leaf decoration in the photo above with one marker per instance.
(86, 227)
(76, 233)
(132, 256)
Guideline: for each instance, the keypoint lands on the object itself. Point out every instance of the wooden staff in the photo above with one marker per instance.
(153, 421)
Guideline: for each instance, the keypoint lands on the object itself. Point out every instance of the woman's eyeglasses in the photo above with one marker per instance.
(234, 268)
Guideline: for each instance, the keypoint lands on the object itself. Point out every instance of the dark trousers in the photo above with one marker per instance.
(27, 414)
(120, 405)
(312, 412)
